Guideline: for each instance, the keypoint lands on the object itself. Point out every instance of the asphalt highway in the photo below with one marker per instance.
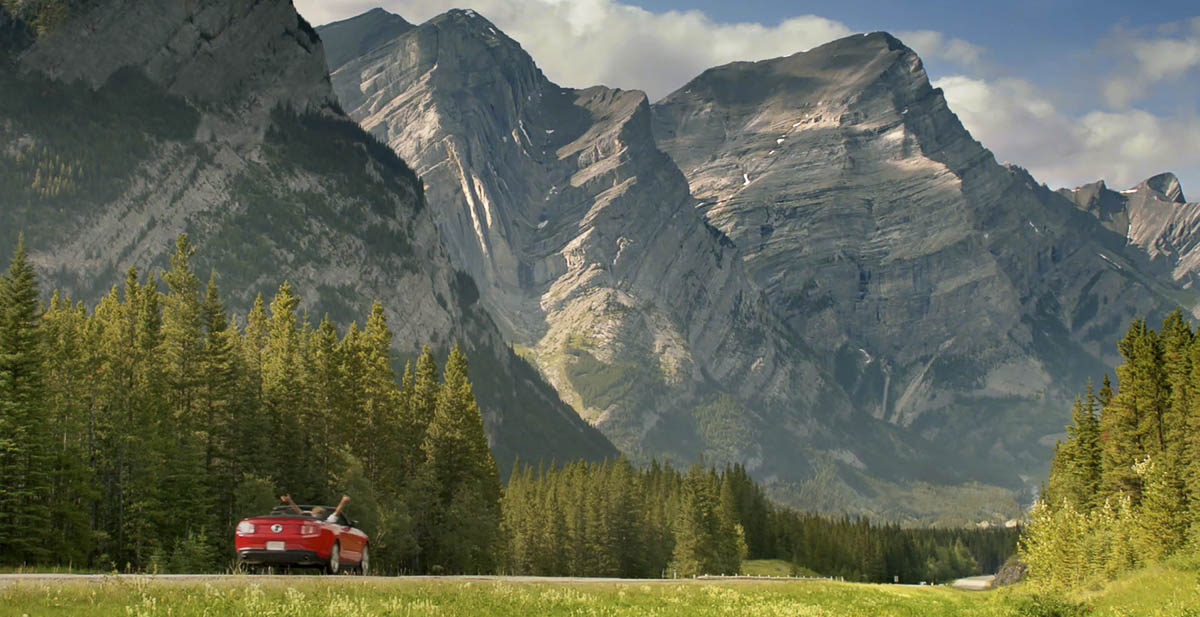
(975, 583)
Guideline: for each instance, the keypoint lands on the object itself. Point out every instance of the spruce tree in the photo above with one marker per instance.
(463, 476)
(24, 451)
(181, 349)
(1128, 419)
(1086, 468)
(70, 364)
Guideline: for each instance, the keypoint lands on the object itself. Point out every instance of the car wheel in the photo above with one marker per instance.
(335, 559)
(364, 564)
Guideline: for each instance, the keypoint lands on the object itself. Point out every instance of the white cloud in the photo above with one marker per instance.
(1149, 58)
(1124, 147)
(582, 43)
(931, 44)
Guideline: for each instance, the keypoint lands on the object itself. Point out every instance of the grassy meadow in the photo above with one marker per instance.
(1160, 592)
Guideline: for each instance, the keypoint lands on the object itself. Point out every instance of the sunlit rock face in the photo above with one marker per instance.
(802, 264)
(1153, 216)
(586, 243)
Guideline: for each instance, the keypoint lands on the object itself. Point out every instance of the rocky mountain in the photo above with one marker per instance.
(1153, 216)
(124, 123)
(825, 277)
(958, 296)
(587, 246)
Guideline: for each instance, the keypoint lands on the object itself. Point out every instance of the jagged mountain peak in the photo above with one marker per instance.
(828, 75)
(1165, 186)
(347, 39)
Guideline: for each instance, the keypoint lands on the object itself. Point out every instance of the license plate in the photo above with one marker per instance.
(275, 545)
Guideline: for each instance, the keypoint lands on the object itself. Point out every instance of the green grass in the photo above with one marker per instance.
(774, 567)
(1153, 591)
(349, 597)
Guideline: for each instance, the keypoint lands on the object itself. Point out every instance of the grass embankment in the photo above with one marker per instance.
(1154, 592)
(349, 597)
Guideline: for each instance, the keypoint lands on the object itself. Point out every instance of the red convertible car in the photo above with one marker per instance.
(284, 538)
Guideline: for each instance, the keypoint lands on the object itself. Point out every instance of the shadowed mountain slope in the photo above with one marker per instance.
(125, 123)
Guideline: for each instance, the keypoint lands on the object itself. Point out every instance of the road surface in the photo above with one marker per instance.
(974, 583)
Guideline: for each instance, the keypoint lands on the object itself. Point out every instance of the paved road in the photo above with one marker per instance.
(975, 583)
(8, 579)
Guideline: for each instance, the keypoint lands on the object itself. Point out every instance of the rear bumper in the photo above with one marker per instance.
(290, 557)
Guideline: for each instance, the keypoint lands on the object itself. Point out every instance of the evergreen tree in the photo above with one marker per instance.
(697, 527)
(463, 477)
(69, 355)
(1129, 422)
(24, 451)
(220, 404)
(182, 347)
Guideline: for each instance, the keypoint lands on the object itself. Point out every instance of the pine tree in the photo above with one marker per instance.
(285, 397)
(463, 475)
(24, 451)
(181, 349)
(379, 441)
(1088, 464)
(69, 354)
(1128, 421)
(219, 403)
(697, 527)
(1162, 517)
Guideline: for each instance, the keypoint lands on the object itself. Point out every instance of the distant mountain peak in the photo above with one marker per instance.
(353, 37)
(1165, 185)
(471, 23)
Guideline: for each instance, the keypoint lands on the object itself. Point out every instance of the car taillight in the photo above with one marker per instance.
(245, 527)
(308, 530)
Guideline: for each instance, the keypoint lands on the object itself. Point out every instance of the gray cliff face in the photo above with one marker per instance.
(671, 269)
(588, 248)
(958, 296)
(249, 54)
(216, 117)
(1153, 216)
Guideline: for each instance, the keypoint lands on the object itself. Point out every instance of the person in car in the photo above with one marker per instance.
(318, 511)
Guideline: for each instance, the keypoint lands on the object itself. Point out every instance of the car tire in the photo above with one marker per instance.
(364, 563)
(334, 565)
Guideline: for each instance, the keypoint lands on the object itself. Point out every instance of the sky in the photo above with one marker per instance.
(1075, 91)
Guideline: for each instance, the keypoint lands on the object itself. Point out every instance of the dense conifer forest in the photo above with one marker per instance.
(135, 434)
(1124, 487)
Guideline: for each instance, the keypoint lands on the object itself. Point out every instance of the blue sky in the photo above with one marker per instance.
(1074, 91)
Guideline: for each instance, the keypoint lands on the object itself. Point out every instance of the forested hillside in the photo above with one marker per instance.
(1124, 488)
(134, 435)
(137, 432)
(610, 519)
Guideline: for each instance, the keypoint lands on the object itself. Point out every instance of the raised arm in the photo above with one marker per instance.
(288, 500)
(341, 504)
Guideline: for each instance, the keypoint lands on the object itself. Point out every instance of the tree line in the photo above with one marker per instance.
(135, 433)
(1124, 486)
(611, 519)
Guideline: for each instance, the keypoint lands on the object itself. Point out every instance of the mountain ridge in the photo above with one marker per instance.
(951, 300)
(262, 171)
